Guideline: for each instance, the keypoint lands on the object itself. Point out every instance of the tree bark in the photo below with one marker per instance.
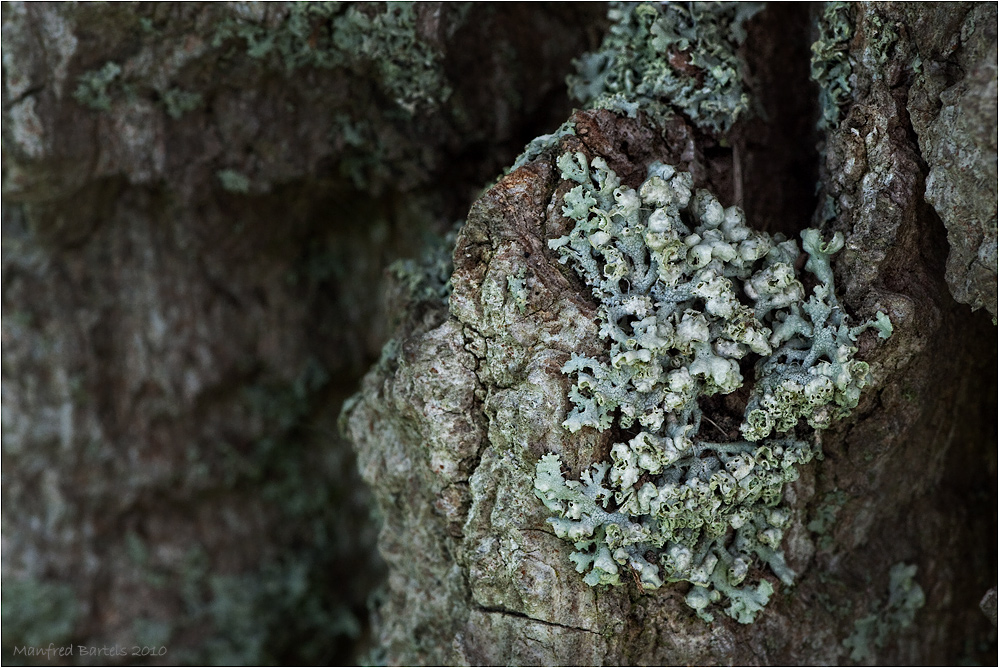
(200, 201)
(449, 428)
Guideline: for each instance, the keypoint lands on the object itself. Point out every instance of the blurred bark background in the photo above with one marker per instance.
(200, 206)
(200, 203)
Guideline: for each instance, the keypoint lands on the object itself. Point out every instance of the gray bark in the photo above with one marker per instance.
(200, 201)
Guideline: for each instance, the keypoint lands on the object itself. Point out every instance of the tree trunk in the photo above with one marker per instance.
(891, 530)
(201, 200)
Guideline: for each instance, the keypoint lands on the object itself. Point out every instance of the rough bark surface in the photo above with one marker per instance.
(448, 430)
(200, 201)
(952, 106)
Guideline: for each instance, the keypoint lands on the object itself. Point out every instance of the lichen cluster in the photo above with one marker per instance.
(831, 67)
(381, 39)
(380, 42)
(427, 278)
(689, 297)
(905, 599)
(682, 55)
(390, 76)
(94, 87)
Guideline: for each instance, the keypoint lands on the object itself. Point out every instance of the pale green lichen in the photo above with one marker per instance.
(427, 278)
(382, 38)
(178, 102)
(905, 598)
(824, 517)
(831, 67)
(539, 144)
(37, 612)
(881, 38)
(517, 287)
(233, 181)
(688, 297)
(378, 42)
(99, 89)
(663, 56)
(94, 88)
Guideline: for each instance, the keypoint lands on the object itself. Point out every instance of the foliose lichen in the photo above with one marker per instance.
(663, 56)
(881, 38)
(905, 598)
(517, 287)
(427, 278)
(178, 102)
(379, 42)
(233, 181)
(381, 38)
(831, 67)
(825, 517)
(94, 88)
(99, 89)
(689, 297)
(37, 612)
(539, 144)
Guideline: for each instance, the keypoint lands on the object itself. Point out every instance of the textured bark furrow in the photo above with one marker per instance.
(532, 619)
(953, 109)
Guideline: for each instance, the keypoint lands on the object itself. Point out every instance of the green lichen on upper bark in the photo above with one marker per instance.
(668, 58)
(380, 39)
(830, 67)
